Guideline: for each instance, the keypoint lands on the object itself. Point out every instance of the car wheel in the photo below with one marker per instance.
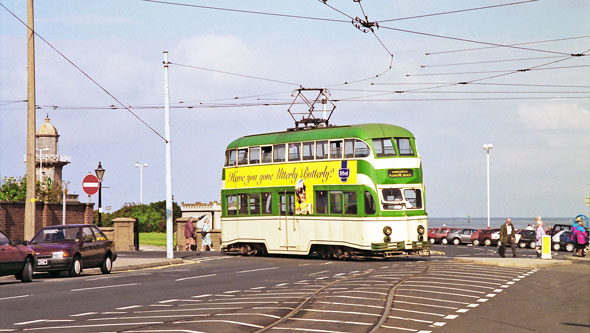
(533, 244)
(522, 245)
(76, 268)
(487, 242)
(569, 247)
(432, 241)
(556, 247)
(444, 241)
(475, 242)
(27, 274)
(456, 241)
(107, 265)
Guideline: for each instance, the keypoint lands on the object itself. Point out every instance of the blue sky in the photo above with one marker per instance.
(540, 164)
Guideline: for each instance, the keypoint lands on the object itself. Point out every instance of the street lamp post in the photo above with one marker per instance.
(99, 174)
(487, 147)
(141, 166)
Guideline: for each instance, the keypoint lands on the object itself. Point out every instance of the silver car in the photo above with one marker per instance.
(461, 236)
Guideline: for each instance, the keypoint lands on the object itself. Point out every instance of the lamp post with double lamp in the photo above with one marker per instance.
(99, 174)
(141, 166)
(487, 147)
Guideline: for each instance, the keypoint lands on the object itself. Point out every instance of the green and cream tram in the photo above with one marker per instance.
(341, 192)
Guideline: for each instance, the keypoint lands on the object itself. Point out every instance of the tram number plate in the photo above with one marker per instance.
(400, 173)
(41, 262)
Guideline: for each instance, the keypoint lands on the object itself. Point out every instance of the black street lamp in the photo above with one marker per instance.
(99, 174)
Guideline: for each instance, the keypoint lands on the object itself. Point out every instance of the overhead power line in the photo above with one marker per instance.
(456, 11)
(500, 71)
(235, 74)
(83, 72)
(483, 83)
(488, 61)
(516, 44)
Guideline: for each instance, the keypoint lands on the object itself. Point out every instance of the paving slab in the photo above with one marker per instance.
(514, 262)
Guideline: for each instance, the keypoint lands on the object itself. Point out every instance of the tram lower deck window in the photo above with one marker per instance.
(232, 207)
(254, 204)
(243, 204)
(321, 202)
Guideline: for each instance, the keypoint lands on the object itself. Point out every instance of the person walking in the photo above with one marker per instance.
(507, 236)
(206, 237)
(539, 233)
(580, 238)
(189, 235)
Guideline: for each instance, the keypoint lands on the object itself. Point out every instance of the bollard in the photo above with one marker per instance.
(546, 248)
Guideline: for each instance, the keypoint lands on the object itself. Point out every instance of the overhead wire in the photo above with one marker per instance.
(488, 62)
(500, 71)
(83, 72)
(456, 11)
(491, 47)
(484, 83)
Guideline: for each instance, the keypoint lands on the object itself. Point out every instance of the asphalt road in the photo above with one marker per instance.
(217, 293)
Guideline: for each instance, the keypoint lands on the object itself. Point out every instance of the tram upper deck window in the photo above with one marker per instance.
(336, 149)
(243, 156)
(279, 153)
(321, 149)
(404, 147)
(266, 154)
(232, 207)
(349, 148)
(361, 149)
(413, 198)
(383, 147)
(295, 151)
(254, 155)
(230, 157)
(308, 150)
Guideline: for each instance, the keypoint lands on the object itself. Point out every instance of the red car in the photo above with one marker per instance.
(431, 233)
(441, 235)
(16, 259)
(71, 248)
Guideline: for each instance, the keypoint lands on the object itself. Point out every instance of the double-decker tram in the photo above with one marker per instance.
(339, 191)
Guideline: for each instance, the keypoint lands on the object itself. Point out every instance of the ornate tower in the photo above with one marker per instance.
(49, 163)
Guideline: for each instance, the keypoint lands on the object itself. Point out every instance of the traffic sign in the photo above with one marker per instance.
(90, 184)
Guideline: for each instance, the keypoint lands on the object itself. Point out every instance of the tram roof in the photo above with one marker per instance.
(360, 131)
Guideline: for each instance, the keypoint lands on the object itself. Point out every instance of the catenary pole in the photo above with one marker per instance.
(29, 223)
(169, 236)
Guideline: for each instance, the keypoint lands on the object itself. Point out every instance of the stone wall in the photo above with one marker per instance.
(12, 216)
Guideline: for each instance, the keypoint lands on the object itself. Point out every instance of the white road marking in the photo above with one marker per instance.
(316, 273)
(219, 321)
(205, 295)
(498, 290)
(447, 288)
(195, 277)
(439, 292)
(412, 319)
(451, 316)
(103, 287)
(491, 295)
(332, 321)
(83, 314)
(482, 300)
(473, 305)
(432, 299)
(12, 297)
(420, 312)
(129, 307)
(344, 312)
(422, 304)
(258, 270)
(87, 326)
(462, 310)
(399, 328)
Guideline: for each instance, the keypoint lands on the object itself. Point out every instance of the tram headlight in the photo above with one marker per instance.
(387, 230)
(386, 239)
(420, 230)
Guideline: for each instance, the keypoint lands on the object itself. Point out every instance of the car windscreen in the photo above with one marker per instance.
(55, 235)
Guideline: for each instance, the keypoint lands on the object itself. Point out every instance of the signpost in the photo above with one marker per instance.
(90, 184)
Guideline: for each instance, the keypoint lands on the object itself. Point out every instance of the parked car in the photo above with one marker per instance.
(441, 235)
(475, 237)
(527, 238)
(556, 237)
(565, 242)
(488, 237)
(461, 236)
(558, 228)
(431, 233)
(16, 259)
(72, 248)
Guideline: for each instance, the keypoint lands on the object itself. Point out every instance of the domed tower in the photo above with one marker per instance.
(49, 162)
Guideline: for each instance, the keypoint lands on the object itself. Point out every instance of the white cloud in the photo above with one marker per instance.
(555, 116)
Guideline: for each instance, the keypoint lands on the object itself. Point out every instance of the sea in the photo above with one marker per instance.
(495, 222)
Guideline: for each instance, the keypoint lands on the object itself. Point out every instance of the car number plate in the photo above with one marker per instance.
(41, 262)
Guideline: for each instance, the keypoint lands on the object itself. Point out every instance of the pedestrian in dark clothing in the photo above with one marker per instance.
(189, 235)
(507, 236)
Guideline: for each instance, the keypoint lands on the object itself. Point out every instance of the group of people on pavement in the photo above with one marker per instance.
(190, 234)
(579, 236)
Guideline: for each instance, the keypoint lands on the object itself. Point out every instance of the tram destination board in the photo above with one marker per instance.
(400, 173)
